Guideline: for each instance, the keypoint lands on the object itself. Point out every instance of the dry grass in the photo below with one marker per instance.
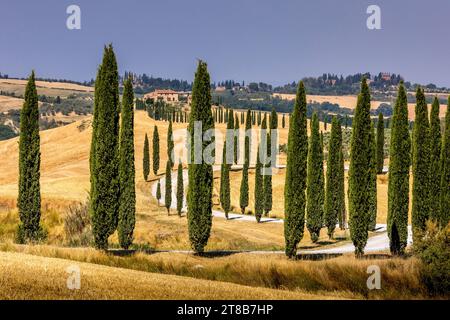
(8, 103)
(18, 86)
(30, 277)
(342, 277)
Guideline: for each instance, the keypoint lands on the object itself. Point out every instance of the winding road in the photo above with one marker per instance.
(378, 242)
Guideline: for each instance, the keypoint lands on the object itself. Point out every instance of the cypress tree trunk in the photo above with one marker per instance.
(105, 162)
(200, 175)
(295, 185)
(155, 150)
(372, 214)
(359, 179)
(146, 159)
(168, 190)
(420, 166)
(445, 171)
(435, 161)
(334, 207)
(180, 188)
(29, 197)
(380, 144)
(127, 206)
(315, 183)
(398, 175)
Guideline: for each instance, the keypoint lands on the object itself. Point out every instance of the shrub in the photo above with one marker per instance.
(433, 249)
(77, 225)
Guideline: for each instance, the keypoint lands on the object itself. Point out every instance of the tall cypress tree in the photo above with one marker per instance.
(435, 161)
(105, 153)
(158, 192)
(168, 190)
(29, 197)
(315, 183)
(243, 198)
(380, 143)
(180, 188)
(155, 151)
(398, 175)
(127, 205)
(259, 196)
(372, 213)
(170, 145)
(445, 170)
(334, 207)
(146, 158)
(420, 165)
(272, 151)
(236, 139)
(225, 167)
(283, 121)
(295, 185)
(359, 177)
(200, 175)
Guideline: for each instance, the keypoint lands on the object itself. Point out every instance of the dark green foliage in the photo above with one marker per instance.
(155, 151)
(168, 190)
(359, 177)
(259, 191)
(372, 213)
(170, 144)
(399, 163)
(158, 192)
(243, 198)
(225, 167)
(380, 144)
(283, 121)
(272, 151)
(146, 159)
(127, 206)
(295, 185)
(420, 164)
(334, 207)
(445, 170)
(315, 182)
(29, 198)
(180, 188)
(435, 161)
(200, 175)
(236, 139)
(105, 152)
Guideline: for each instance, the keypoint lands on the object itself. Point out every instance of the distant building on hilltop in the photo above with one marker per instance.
(386, 76)
(168, 96)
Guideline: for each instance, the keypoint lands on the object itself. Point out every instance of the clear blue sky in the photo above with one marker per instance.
(264, 40)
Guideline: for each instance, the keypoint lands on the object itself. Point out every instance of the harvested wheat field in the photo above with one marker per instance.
(31, 277)
(10, 103)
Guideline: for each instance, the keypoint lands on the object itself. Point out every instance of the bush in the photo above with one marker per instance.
(77, 225)
(433, 249)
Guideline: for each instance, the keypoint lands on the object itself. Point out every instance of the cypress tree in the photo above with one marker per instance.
(435, 161)
(146, 158)
(158, 192)
(29, 196)
(334, 207)
(170, 145)
(420, 165)
(155, 151)
(200, 175)
(105, 152)
(372, 213)
(259, 196)
(398, 175)
(168, 190)
(127, 205)
(380, 143)
(180, 188)
(272, 151)
(236, 139)
(315, 183)
(243, 198)
(295, 185)
(225, 167)
(359, 177)
(445, 170)
(283, 121)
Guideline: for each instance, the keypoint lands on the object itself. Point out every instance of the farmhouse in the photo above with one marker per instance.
(168, 96)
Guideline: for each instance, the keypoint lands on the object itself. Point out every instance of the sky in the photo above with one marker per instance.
(273, 41)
